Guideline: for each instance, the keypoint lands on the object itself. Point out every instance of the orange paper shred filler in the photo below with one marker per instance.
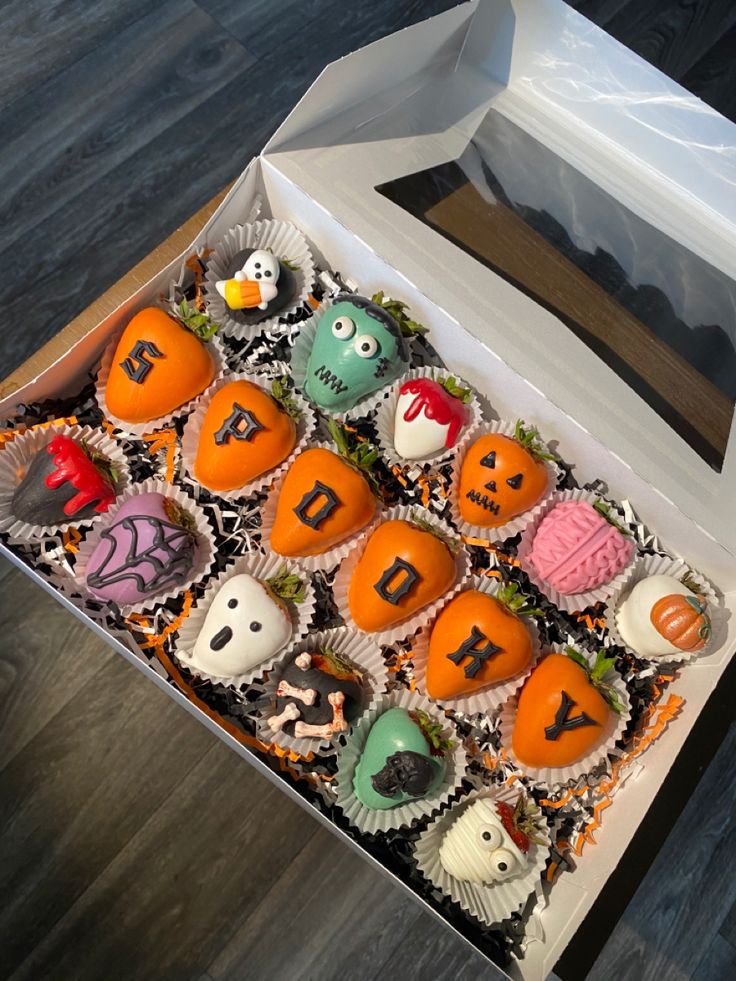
(9, 434)
(163, 439)
(72, 538)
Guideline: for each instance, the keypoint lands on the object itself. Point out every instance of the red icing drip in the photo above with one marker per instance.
(437, 405)
(72, 464)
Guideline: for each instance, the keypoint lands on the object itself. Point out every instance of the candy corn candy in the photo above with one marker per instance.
(239, 294)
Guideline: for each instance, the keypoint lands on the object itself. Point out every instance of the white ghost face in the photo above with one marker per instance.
(477, 847)
(243, 627)
(263, 267)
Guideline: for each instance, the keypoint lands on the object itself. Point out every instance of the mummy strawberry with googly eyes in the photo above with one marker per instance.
(248, 622)
(430, 417)
(489, 841)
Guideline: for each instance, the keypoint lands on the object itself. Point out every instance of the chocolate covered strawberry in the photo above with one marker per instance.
(66, 481)
(430, 416)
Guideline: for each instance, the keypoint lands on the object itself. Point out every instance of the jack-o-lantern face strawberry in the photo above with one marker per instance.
(245, 433)
(564, 710)
(159, 364)
(502, 477)
(477, 641)
(404, 567)
(324, 500)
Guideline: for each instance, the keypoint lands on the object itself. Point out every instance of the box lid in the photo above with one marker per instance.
(604, 130)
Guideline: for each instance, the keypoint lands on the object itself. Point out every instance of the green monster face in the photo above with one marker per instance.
(358, 348)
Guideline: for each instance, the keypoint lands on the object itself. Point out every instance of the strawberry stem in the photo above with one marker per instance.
(178, 515)
(282, 394)
(105, 467)
(603, 663)
(200, 324)
(452, 543)
(397, 309)
(432, 732)
(529, 439)
(516, 602)
(286, 585)
(606, 512)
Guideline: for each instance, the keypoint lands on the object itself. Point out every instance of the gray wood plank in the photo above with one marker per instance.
(81, 789)
(262, 25)
(148, 195)
(43, 37)
(328, 915)
(673, 35)
(185, 879)
(719, 962)
(682, 901)
(69, 132)
(46, 656)
(713, 78)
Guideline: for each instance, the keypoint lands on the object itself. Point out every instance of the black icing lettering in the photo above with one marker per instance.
(315, 518)
(240, 424)
(563, 723)
(474, 648)
(396, 581)
(135, 365)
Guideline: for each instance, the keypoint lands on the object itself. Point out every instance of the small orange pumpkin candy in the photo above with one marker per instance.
(562, 711)
(502, 477)
(476, 641)
(245, 433)
(403, 568)
(323, 500)
(158, 365)
(683, 621)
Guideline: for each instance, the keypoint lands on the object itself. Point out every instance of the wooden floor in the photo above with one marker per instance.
(132, 843)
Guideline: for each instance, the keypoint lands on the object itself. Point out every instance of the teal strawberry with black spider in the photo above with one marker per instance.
(66, 481)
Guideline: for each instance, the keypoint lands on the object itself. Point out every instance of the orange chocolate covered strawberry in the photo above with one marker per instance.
(159, 364)
(478, 640)
(502, 477)
(564, 710)
(405, 565)
(245, 433)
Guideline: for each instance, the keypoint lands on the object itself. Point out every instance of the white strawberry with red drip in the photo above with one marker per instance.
(430, 417)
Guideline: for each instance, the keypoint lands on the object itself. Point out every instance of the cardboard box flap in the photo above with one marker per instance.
(631, 140)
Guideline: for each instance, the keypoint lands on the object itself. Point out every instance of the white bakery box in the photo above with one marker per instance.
(616, 130)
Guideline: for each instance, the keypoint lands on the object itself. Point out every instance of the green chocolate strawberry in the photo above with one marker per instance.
(403, 760)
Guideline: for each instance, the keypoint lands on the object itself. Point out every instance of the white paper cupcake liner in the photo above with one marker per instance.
(385, 420)
(577, 601)
(285, 241)
(487, 700)
(361, 651)
(300, 356)
(491, 904)
(325, 561)
(140, 429)
(17, 455)
(205, 542)
(261, 567)
(406, 628)
(372, 821)
(561, 775)
(190, 440)
(521, 521)
(665, 565)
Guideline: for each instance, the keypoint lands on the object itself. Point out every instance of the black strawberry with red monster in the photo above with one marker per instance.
(66, 481)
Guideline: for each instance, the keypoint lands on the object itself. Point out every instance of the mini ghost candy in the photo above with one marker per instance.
(489, 841)
(246, 624)
(403, 760)
(255, 285)
(357, 349)
(65, 482)
(149, 548)
(661, 617)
